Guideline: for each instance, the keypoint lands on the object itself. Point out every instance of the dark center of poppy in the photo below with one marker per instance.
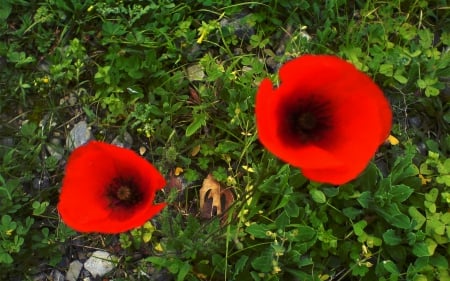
(305, 120)
(124, 193)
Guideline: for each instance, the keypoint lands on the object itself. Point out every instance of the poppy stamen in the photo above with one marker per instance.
(305, 121)
(124, 193)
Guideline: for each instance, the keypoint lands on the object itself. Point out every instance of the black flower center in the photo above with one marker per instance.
(305, 120)
(123, 192)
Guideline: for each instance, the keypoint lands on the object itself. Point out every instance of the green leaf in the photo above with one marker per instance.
(304, 233)
(425, 249)
(400, 192)
(392, 214)
(445, 179)
(421, 84)
(352, 212)
(258, 230)
(364, 199)
(400, 78)
(434, 224)
(432, 195)
(390, 267)
(39, 208)
(240, 265)
(358, 227)
(5, 258)
(387, 69)
(263, 263)
(391, 238)
(197, 123)
(431, 91)
(318, 196)
(291, 209)
(5, 10)
(183, 271)
(417, 217)
(282, 220)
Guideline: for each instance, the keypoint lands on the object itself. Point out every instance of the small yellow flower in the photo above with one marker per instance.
(90, 9)
(203, 34)
(45, 80)
(178, 171)
(159, 248)
(248, 169)
(424, 180)
(392, 140)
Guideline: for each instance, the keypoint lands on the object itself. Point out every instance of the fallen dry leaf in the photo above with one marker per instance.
(213, 199)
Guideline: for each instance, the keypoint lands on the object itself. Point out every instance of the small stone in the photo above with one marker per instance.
(124, 140)
(240, 25)
(74, 270)
(72, 100)
(79, 135)
(195, 72)
(55, 151)
(100, 263)
(57, 276)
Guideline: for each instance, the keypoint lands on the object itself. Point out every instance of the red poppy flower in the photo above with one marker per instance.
(326, 117)
(108, 189)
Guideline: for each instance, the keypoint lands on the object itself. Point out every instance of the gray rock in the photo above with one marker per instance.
(240, 25)
(56, 275)
(195, 72)
(79, 135)
(124, 140)
(74, 270)
(100, 263)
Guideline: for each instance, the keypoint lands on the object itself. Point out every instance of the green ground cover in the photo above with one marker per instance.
(181, 79)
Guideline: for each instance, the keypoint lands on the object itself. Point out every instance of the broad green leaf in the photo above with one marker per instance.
(39, 208)
(417, 217)
(435, 225)
(305, 233)
(425, 249)
(183, 271)
(445, 179)
(400, 78)
(364, 199)
(352, 212)
(392, 214)
(263, 263)
(391, 238)
(359, 227)
(5, 258)
(445, 218)
(387, 69)
(197, 123)
(258, 230)
(439, 261)
(431, 91)
(400, 192)
(390, 267)
(370, 176)
(432, 195)
(5, 10)
(282, 220)
(431, 206)
(240, 265)
(292, 210)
